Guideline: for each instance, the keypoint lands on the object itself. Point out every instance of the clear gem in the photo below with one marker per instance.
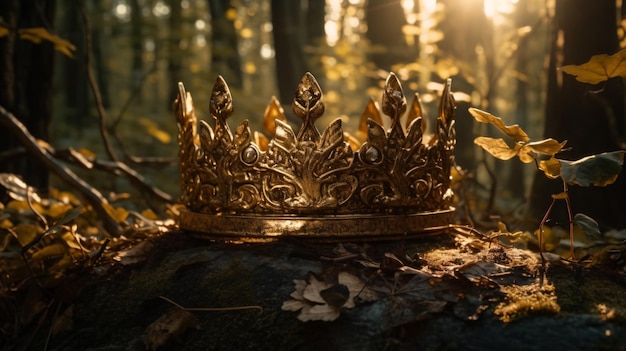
(249, 155)
(372, 155)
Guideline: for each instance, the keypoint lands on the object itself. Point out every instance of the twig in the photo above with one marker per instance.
(133, 177)
(94, 87)
(213, 309)
(91, 195)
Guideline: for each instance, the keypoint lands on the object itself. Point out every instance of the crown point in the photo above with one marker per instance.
(308, 102)
(308, 105)
(221, 104)
(371, 112)
(394, 102)
(416, 110)
(447, 103)
(274, 111)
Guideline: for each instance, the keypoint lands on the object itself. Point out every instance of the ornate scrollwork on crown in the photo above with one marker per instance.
(390, 171)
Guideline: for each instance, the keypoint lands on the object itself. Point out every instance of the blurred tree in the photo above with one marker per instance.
(462, 37)
(385, 19)
(287, 24)
(26, 82)
(175, 53)
(224, 54)
(591, 121)
(71, 75)
(136, 42)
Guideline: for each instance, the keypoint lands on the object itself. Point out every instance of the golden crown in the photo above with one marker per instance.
(376, 184)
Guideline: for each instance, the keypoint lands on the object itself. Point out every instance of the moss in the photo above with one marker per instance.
(525, 300)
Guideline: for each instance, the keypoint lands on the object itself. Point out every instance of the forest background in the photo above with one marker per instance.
(100, 77)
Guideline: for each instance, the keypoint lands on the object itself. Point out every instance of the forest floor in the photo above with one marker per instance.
(450, 291)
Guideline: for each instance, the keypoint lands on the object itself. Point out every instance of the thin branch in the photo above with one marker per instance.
(94, 87)
(133, 177)
(91, 195)
(212, 309)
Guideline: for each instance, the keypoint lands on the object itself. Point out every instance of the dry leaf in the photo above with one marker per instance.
(599, 68)
(321, 301)
(135, 254)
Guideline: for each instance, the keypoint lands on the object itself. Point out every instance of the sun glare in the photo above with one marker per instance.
(494, 9)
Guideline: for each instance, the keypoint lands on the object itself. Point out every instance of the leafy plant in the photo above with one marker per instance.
(598, 170)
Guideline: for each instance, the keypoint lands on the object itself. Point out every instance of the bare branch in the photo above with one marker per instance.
(136, 179)
(91, 195)
(94, 87)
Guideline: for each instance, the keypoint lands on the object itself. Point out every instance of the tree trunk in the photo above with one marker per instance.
(288, 40)
(27, 87)
(385, 19)
(136, 40)
(224, 53)
(462, 37)
(74, 80)
(175, 54)
(592, 119)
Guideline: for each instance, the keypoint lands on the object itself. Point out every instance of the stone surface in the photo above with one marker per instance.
(113, 312)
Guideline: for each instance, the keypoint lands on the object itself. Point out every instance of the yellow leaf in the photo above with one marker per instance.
(5, 239)
(57, 209)
(26, 233)
(547, 147)
(4, 31)
(599, 68)
(6, 224)
(514, 131)
(38, 34)
(119, 214)
(53, 250)
(551, 167)
(560, 196)
(155, 131)
(498, 148)
(149, 214)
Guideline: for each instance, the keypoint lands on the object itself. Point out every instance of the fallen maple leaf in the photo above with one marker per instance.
(322, 301)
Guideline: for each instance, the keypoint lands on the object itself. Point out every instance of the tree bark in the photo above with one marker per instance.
(385, 19)
(175, 54)
(592, 119)
(288, 44)
(74, 80)
(27, 88)
(224, 51)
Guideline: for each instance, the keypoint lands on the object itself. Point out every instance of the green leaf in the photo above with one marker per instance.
(599, 68)
(588, 224)
(598, 170)
(514, 131)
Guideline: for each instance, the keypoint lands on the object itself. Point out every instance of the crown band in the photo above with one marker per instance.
(375, 185)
